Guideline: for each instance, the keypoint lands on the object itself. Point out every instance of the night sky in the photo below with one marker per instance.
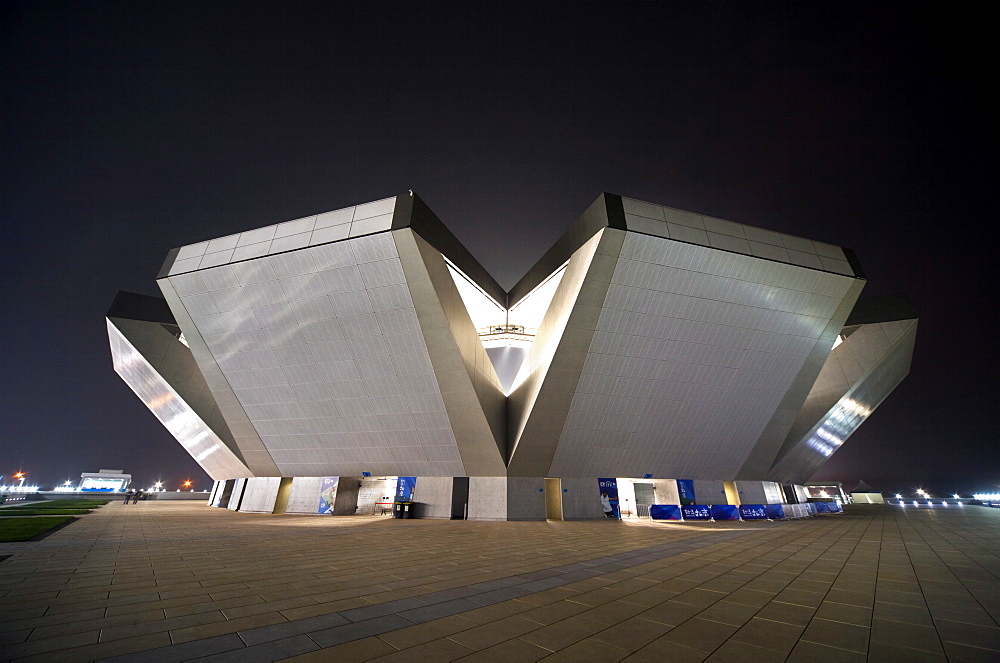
(130, 128)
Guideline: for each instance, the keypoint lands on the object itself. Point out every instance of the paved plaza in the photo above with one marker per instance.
(178, 581)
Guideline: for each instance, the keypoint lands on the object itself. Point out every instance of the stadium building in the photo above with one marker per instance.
(323, 363)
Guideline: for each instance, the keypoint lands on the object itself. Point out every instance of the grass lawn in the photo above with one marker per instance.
(24, 529)
(43, 512)
(60, 504)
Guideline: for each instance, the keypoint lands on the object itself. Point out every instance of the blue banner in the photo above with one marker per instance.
(775, 511)
(404, 488)
(753, 512)
(327, 494)
(811, 508)
(685, 490)
(665, 512)
(609, 489)
(696, 512)
(826, 507)
(725, 512)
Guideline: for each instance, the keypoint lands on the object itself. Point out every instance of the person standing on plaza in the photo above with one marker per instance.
(128, 495)
(138, 494)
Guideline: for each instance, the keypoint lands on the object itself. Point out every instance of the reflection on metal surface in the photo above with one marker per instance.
(177, 417)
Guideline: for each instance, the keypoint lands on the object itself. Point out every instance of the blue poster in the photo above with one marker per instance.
(685, 490)
(609, 489)
(696, 512)
(665, 512)
(327, 494)
(725, 512)
(404, 488)
(775, 511)
(753, 512)
(811, 508)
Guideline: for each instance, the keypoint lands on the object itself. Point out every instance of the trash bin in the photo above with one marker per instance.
(402, 509)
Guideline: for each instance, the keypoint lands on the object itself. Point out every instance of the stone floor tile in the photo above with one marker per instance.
(903, 613)
(811, 652)
(842, 612)
(189, 633)
(788, 613)
(490, 613)
(777, 636)
(959, 653)
(511, 651)
(700, 634)
(974, 635)
(732, 651)
(661, 650)
(35, 647)
(837, 634)
(587, 651)
(563, 633)
(884, 652)
(734, 614)
(421, 633)
(102, 650)
(864, 599)
(754, 597)
(349, 652)
(436, 650)
(183, 652)
(487, 635)
(554, 612)
(631, 634)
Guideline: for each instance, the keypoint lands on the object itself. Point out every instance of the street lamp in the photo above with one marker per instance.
(187, 484)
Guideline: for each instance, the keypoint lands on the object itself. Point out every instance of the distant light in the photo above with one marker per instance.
(956, 496)
(898, 496)
(914, 503)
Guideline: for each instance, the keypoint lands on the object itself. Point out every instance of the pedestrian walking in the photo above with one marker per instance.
(138, 494)
(128, 495)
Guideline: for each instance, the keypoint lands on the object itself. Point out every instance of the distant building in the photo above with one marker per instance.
(107, 481)
(650, 344)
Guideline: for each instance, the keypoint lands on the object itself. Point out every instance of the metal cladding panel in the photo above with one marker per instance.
(473, 396)
(323, 351)
(859, 374)
(166, 404)
(365, 219)
(693, 228)
(539, 405)
(694, 351)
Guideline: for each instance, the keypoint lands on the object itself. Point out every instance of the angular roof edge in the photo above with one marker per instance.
(133, 306)
(412, 212)
(884, 308)
(608, 211)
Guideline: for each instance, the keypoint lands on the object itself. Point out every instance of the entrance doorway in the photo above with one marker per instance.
(553, 499)
(645, 497)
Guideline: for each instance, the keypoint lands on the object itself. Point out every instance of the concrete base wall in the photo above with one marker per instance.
(304, 498)
(526, 498)
(581, 499)
(760, 492)
(710, 492)
(346, 501)
(236, 497)
(488, 498)
(260, 494)
(433, 494)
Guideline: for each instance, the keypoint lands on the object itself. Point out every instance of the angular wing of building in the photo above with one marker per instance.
(647, 342)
